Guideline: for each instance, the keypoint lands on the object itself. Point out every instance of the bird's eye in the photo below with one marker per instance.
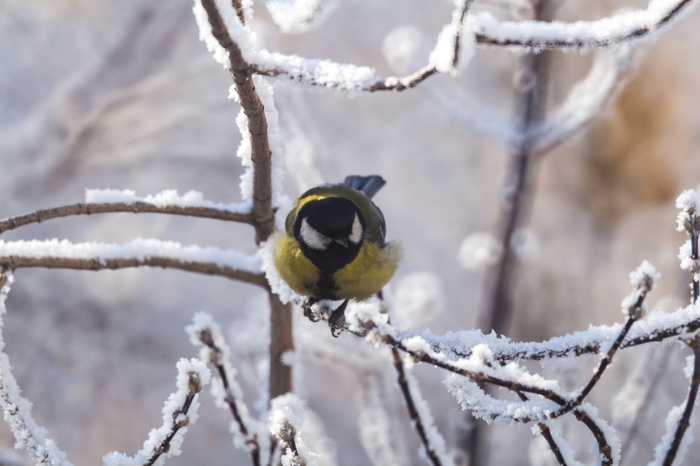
(356, 234)
(313, 238)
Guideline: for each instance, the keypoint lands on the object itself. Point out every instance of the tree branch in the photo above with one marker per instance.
(242, 72)
(179, 418)
(216, 357)
(506, 34)
(281, 337)
(39, 216)
(693, 229)
(97, 263)
(565, 405)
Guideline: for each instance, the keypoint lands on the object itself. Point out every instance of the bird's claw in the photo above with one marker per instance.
(336, 321)
(308, 312)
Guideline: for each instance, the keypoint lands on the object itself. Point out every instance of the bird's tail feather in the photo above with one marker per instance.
(368, 185)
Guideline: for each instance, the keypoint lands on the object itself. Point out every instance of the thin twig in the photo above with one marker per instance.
(411, 406)
(205, 336)
(684, 422)
(565, 405)
(39, 216)
(547, 435)
(541, 43)
(180, 418)
(536, 44)
(95, 264)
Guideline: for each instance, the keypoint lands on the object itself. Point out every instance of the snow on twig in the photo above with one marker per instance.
(454, 41)
(286, 414)
(206, 333)
(136, 253)
(620, 28)
(192, 204)
(179, 411)
(434, 449)
(16, 408)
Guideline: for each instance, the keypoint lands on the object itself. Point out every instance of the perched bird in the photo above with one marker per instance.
(334, 245)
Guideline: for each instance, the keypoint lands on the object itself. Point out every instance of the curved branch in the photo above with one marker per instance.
(540, 35)
(207, 268)
(139, 207)
(138, 253)
(579, 35)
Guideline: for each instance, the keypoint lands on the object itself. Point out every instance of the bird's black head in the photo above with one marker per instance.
(330, 231)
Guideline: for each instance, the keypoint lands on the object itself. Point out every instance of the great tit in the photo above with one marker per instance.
(334, 245)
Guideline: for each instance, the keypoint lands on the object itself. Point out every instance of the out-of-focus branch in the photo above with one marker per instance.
(496, 309)
(39, 216)
(100, 263)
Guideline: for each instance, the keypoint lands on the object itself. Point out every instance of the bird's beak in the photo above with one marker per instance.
(342, 241)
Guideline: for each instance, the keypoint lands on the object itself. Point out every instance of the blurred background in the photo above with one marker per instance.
(123, 95)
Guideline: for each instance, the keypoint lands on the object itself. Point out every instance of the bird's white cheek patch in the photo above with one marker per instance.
(356, 234)
(313, 238)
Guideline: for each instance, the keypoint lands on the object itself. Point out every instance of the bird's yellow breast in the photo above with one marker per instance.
(367, 274)
(362, 278)
(292, 265)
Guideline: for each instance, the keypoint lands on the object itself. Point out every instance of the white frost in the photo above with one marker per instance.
(163, 199)
(17, 409)
(139, 249)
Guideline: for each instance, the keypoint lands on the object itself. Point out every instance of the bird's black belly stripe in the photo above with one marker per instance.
(326, 287)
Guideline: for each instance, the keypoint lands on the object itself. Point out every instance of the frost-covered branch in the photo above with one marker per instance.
(191, 204)
(55, 254)
(548, 437)
(420, 351)
(643, 279)
(285, 421)
(179, 411)
(617, 29)
(242, 74)
(433, 443)
(206, 333)
(481, 28)
(688, 203)
(16, 408)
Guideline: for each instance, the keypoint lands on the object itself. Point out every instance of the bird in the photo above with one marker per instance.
(334, 246)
